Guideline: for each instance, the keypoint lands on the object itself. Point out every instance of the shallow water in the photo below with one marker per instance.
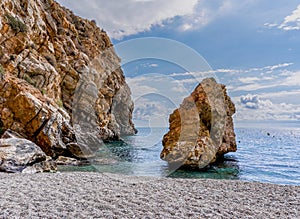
(264, 155)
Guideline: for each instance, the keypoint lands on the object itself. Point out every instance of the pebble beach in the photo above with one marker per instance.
(105, 195)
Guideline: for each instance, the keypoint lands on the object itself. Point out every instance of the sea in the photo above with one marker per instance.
(266, 153)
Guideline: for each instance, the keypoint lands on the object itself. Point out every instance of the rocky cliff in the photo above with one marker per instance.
(201, 129)
(59, 79)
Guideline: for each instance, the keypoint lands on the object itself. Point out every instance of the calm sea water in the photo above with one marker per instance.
(264, 154)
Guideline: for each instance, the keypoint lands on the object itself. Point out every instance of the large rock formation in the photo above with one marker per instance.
(201, 129)
(61, 85)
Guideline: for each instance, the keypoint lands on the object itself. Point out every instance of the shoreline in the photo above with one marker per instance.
(106, 195)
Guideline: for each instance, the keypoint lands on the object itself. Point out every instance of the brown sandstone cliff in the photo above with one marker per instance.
(201, 129)
(58, 70)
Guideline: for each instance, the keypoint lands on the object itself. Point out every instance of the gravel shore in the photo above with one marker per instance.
(99, 195)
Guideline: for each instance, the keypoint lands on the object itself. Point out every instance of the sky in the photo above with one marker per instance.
(168, 46)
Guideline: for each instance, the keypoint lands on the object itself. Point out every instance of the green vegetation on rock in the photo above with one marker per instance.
(59, 103)
(1, 70)
(16, 24)
(29, 80)
(44, 91)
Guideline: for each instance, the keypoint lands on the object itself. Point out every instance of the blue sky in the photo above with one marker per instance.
(252, 46)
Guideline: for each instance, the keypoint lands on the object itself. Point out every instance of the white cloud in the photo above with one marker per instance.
(204, 74)
(160, 85)
(271, 68)
(153, 65)
(267, 77)
(138, 86)
(251, 107)
(179, 89)
(292, 80)
(250, 101)
(251, 79)
(253, 87)
(281, 94)
(264, 100)
(205, 12)
(273, 93)
(268, 69)
(282, 65)
(291, 22)
(248, 80)
(186, 27)
(148, 107)
(271, 25)
(287, 78)
(127, 17)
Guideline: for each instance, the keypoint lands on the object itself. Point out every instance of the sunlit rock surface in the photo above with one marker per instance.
(60, 79)
(201, 129)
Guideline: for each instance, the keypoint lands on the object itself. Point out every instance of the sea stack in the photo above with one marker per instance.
(201, 129)
(61, 84)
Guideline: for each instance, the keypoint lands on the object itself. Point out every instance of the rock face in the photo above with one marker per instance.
(201, 129)
(60, 79)
(20, 155)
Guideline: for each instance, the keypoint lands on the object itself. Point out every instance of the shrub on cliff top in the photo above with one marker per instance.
(16, 24)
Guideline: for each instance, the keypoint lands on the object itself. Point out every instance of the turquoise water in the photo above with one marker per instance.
(264, 154)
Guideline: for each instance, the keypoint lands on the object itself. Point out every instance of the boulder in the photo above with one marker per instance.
(201, 129)
(47, 165)
(21, 155)
(61, 160)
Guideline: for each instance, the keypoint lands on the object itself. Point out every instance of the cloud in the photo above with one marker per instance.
(158, 84)
(284, 78)
(293, 79)
(204, 13)
(282, 94)
(271, 25)
(151, 106)
(267, 77)
(260, 93)
(254, 87)
(254, 107)
(128, 17)
(271, 67)
(140, 87)
(203, 74)
(250, 101)
(291, 22)
(248, 80)
(251, 79)
(153, 65)
(268, 69)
